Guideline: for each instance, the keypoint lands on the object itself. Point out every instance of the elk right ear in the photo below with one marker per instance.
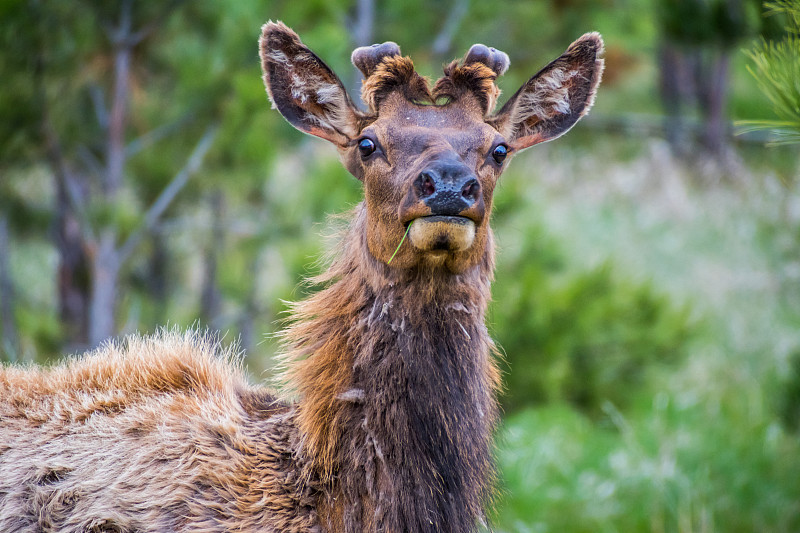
(303, 88)
(552, 101)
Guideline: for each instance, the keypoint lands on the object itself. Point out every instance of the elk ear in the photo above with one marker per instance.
(303, 88)
(552, 101)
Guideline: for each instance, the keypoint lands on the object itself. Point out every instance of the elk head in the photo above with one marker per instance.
(429, 158)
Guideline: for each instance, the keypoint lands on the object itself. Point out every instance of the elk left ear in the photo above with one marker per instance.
(552, 101)
(303, 88)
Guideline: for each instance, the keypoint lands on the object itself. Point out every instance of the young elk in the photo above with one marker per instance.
(391, 361)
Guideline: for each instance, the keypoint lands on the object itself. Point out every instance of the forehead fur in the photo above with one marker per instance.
(476, 79)
(396, 73)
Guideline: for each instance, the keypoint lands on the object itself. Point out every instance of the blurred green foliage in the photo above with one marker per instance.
(709, 22)
(571, 334)
(584, 338)
(789, 395)
(678, 469)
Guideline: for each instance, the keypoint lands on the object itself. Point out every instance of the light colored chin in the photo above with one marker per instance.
(442, 234)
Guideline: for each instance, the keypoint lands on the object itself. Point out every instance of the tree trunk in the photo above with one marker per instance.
(105, 277)
(693, 76)
(670, 67)
(107, 259)
(10, 337)
(73, 272)
(713, 97)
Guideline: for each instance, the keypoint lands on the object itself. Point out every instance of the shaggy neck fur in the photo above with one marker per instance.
(397, 389)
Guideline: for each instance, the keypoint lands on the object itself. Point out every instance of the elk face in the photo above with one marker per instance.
(429, 158)
(427, 170)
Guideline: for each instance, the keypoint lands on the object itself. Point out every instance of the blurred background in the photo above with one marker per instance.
(647, 298)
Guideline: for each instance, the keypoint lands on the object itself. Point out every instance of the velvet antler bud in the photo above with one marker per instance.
(366, 58)
(475, 75)
(491, 57)
(386, 71)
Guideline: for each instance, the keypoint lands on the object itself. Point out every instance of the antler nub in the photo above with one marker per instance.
(367, 58)
(491, 57)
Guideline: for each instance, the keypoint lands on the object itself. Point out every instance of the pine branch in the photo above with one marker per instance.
(776, 68)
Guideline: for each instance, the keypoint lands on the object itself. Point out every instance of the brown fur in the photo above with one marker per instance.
(390, 362)
(394, 73)
(369, 317)
(155, 434)
(476, 79)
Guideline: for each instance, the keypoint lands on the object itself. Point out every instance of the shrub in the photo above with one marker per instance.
(582, 337)
(789, 396)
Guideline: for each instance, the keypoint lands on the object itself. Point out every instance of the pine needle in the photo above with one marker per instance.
(776, 68)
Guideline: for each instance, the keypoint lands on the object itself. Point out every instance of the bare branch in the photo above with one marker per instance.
(90, 160)
(99, 103)
(122, 33)
(63, 174)
(169, 193)
(444, 40)
(143, 33)
(118, 117)
(115, 151)
(155, 135)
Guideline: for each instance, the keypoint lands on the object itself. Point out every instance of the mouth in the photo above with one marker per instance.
(442, 234)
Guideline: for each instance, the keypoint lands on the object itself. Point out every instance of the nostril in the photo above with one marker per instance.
(470, 190)
(426, 185)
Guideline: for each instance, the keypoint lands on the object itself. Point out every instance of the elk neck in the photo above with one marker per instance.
(396, 379)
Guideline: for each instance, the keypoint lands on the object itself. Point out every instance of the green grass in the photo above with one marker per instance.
(673, 467)
(704, 446)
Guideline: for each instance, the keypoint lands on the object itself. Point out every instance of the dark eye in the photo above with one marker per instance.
(366, 147)
(499, 153)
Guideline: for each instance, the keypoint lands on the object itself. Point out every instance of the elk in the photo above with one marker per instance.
(390, 363)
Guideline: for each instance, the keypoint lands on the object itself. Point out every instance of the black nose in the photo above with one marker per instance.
(447, 188)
